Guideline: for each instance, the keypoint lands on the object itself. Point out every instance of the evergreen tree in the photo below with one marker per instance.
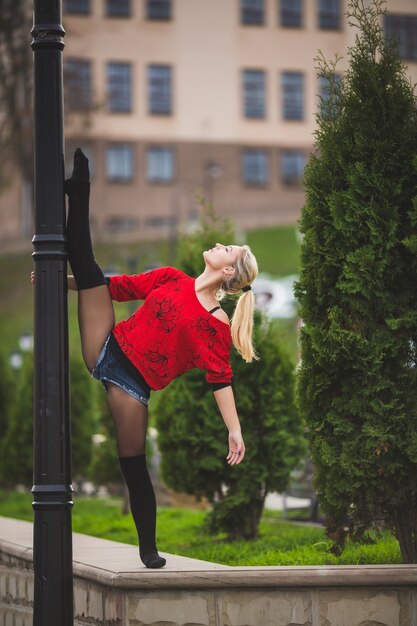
(192, 436)
(7, 399)
(17, 445)
(17, 448)
(357, 289)
(83, 417)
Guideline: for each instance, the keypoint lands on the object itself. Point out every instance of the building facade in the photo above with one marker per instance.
(178, 100)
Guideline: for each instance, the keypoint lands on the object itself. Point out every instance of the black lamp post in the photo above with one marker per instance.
(52, 490)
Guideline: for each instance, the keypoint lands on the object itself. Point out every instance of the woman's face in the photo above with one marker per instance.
(221, 256)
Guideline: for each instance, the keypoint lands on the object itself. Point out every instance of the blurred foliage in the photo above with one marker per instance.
(16, 464)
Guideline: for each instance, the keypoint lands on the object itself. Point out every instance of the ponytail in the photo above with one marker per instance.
(241, 328)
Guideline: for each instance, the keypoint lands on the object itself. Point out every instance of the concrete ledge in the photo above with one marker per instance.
(118, 565)
(112, 587)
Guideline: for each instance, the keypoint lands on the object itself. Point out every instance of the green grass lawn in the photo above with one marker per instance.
(277, 250)
(181, 531)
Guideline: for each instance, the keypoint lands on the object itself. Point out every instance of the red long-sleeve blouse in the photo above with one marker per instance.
(171, 332)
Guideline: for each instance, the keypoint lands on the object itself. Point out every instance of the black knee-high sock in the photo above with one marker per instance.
(143, 507)
(87, 272)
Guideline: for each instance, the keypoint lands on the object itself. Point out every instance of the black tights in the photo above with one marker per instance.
(142, 498)
(131, 420)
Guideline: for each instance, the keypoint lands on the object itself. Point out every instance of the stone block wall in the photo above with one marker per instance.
(16, 591)
(261, 607)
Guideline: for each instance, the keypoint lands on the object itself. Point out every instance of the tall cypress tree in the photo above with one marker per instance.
(358, 292)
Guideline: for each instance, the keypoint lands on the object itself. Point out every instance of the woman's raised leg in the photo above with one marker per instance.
(95, 307)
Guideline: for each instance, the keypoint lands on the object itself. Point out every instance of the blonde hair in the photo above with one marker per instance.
(246, 270)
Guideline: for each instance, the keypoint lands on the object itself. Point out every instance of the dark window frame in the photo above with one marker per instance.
(117, 224)
(250, 14)
(79, 83)
(159, 89)
(294, 177)
(250, 179)
(77, 7)
(293, 98)
(329, 14)
(162, 149)
(119, 93)
(323, 87)
(254, 93)
(118, 145)
(396, 25)
(159, 10)
(324, 84)
(291, 15)
(324, 94)
(118, 8)
(159, 222)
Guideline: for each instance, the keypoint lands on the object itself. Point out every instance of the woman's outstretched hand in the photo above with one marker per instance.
(236, 448)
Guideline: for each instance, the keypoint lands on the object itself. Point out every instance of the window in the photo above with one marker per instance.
(77, 7)
(158, 9)
(292, 167)
(327, 110)
(160, 165)
(403, 28)
(159, 89)
(329, 14)
(119, 162)
(252, 12)
(293, 95)
(291, 13)
(118, 8)
(255, 167)
(324, 85)
(161, 221)
(119, 87)
(121, 224)
(254, 93)
(78, 90)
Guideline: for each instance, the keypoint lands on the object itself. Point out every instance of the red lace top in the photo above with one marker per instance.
(171, 332)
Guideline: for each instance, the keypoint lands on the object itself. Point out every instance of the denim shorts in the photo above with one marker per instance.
(109, 370)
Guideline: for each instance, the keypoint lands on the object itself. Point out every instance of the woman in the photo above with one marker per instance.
(179, 326)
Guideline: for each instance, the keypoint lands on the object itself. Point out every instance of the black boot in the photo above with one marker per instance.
(143, 507)
(87, 272)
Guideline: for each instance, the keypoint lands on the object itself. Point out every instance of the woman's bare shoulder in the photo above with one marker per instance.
(222, 316)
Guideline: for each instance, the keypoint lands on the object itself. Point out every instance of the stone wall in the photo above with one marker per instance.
(112, 588)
